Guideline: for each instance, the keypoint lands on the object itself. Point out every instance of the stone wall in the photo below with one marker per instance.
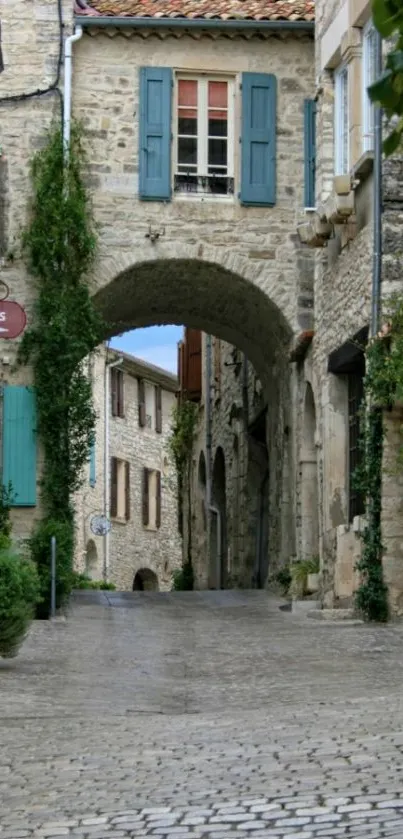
(132, 547)
(236, 272)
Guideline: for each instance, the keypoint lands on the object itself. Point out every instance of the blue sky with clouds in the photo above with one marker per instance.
(156, 344)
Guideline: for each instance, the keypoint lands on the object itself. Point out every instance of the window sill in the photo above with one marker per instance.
(364, 167)
(119, 520)
(204, 199)
(151, 528)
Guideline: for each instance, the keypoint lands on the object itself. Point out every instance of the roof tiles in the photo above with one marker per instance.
(291, 10)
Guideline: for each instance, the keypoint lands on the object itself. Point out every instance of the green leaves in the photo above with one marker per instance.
(387, 91)
(60, 247)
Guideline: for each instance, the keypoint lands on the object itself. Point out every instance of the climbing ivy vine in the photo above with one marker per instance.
(184, 419)
(383, 386)
(59, 245)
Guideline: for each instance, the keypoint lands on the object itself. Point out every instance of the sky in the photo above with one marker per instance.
(156, 344)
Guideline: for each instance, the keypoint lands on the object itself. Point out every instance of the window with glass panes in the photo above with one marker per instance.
(204, 136)
(341, 122)
(368, 60)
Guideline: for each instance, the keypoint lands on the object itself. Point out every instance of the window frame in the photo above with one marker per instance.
(341, 121)
(202, 137)
(119, 489)
(368, 108)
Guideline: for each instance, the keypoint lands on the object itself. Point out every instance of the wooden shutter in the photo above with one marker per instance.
(158, 500)
(93, 473)
(146, 506)
(158, 409)
(120, 393)
(114, 487)
(19, 444)
(127, 490)
(114, 391)
(193, 364)
(142, 402)
(309, 152)
(155, 133)
(258, 168)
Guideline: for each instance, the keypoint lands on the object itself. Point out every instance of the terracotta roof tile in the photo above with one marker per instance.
(292, 10)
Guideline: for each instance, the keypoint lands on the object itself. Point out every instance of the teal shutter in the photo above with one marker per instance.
(259, 110)
(155, 133)
(309, 151)
(93, 473)
(19, 444)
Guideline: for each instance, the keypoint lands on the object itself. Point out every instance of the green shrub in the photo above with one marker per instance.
(39, 544)
(81, 581)
(19, 594)
(283, 577)
(183, 578)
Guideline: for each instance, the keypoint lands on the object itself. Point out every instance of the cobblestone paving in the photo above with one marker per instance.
(201, 716)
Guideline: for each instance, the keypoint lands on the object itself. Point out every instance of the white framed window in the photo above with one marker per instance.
(204, 135)
(341, 121)
(368, 77)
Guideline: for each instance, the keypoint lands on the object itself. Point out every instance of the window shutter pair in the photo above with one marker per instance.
(158, 409)
(146, 498)
(19, 444)
(117, 392)
(114, 488)
(142, 402)
(258, 138)
(309, 151)
(193, 364)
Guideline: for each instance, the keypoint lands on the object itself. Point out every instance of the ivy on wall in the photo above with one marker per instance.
(184, 419)
(60, 245)
(383, 387)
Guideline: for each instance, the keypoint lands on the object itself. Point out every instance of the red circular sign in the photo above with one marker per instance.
(12, 319)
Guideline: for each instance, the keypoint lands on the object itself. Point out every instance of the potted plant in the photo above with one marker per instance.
(312, 579)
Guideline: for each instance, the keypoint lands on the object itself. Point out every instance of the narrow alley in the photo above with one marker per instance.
(201, 715)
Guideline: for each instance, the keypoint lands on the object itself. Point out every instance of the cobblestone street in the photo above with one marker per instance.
(201, 715)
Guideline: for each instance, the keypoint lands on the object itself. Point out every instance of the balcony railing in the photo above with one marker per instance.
(203, 184)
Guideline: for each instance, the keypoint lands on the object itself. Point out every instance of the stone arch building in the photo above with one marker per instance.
(220, 255)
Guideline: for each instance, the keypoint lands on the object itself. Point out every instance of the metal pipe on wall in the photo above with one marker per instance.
(377, 256)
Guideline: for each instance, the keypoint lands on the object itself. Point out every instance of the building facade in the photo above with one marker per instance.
(196, 171)
(130, 478)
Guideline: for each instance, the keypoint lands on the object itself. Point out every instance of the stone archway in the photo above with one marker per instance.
(221, 293)
(145, 580)
(309, 480)
(218, 530)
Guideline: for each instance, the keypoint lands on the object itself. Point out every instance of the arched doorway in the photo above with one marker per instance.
(91, 561)
(218, 530)
(145, 580)
(309, 480)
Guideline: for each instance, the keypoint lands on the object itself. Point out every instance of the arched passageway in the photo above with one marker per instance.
(309, 480)
(218, 533)
(221, 295)
(145, 580)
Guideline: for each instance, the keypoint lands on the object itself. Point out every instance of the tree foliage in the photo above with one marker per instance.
(387, 91)
(59, 245)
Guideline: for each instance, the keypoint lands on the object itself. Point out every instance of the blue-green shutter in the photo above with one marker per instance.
(19, 444)
(259, 112)
(93, 472)
(155, 133)
(309, 151)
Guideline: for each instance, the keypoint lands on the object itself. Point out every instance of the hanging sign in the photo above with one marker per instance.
(12, 319)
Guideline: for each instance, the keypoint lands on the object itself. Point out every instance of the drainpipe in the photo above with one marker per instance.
(108, 366)
(68, 73)
(377, 259)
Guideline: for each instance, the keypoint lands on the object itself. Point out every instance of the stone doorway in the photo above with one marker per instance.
(145, 580)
